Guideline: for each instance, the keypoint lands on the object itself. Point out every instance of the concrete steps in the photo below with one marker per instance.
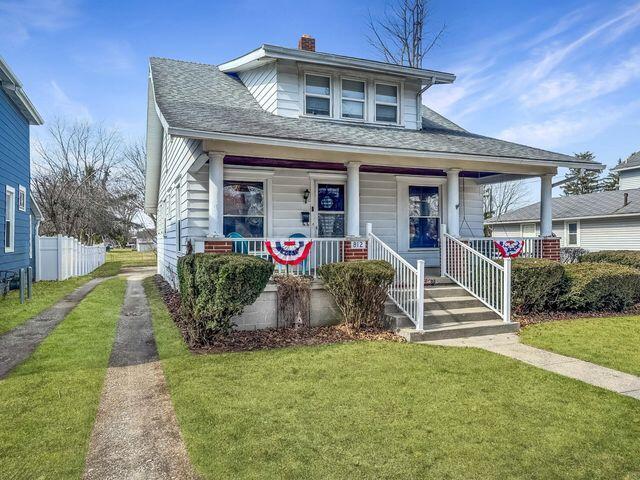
(449, 312)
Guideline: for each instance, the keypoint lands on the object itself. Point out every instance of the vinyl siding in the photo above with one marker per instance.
(629, 179)
(14, 171)
(610, 234)
(262, 83)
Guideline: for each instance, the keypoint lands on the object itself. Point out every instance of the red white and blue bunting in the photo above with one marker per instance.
(288, 252)
(509, 248)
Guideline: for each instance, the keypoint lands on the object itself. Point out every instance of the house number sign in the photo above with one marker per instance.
(358, 245)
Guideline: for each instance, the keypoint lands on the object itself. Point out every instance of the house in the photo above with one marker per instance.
(145, 241)
(595, 221)
(19, 213)
(282, 141)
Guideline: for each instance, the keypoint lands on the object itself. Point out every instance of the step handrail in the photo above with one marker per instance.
(407, 288)
(482, 277)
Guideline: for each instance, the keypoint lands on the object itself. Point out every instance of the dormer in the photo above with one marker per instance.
(305, 83)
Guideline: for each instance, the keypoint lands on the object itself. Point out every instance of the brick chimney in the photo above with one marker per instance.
(307, 42)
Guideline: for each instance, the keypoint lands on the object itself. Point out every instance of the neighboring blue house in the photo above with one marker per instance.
(19, 216)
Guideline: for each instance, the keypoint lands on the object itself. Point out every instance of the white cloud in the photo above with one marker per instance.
(18, 18)
(109, 56)
(64, 106)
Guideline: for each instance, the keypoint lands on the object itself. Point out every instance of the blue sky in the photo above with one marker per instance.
(561, 75)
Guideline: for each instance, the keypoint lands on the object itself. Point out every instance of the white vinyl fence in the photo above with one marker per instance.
(59, 258)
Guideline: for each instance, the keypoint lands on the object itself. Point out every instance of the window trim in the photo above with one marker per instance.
(266, 195)
(178, 216)
(376, 103)
(566, 232)
(365, 113)
(22, 191)
(409, 216)
(10, 216)
(305, 94)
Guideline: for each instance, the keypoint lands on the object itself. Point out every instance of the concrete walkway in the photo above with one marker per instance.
(136, 434)
(509, 345)
(19, 343)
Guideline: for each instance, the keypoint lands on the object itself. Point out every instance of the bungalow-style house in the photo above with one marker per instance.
(284, 142)
(19, 213)
(595, 221)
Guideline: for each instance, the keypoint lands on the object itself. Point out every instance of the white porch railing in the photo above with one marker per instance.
(479, 275)
(407, 289)
(487, 247)
(323, 251)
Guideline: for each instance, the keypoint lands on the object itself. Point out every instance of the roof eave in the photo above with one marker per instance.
(12, 86)
(351, 148)
(563, 219)
(273, 52)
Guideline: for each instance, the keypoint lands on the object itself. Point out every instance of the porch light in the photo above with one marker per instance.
(305, 195)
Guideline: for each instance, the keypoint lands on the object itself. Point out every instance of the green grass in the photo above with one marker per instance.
(49, 403)
(132, 258)
(391, 410)
(612, 342)
(45, 294)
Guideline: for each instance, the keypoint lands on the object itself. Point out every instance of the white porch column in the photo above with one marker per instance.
(453, 202)
(353, 199)
(546, 220)
(216, 194)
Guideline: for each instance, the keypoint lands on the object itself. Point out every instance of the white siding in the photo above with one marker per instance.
(177, 154)
(629, 179)
(515, 230)
(610, 234)
(262, 83)
(410, 104)
(288, 90)
(471, 209)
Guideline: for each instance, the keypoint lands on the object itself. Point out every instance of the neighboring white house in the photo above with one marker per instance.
(282, 142)
(595, 221)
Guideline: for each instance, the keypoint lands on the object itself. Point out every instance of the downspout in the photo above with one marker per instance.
(419, 101)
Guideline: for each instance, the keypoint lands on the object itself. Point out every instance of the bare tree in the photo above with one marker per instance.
(135, 165)
(402, 36)
(502, 197)
(77, 182)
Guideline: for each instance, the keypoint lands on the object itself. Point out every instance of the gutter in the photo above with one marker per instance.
(419, 101)
(391, 152)
(563, 219)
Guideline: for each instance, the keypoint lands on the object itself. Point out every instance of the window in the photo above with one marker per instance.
(178, 219)
(572, 234)
(424, 217)
(317, 90)
(528, 229)
(386, 103)
(330, 210)
(10, 219)
(353, 99)
(22, 198)
(244, 208)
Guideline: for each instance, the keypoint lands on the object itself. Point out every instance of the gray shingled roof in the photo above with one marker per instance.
(632, 161)
(193, 96)
(599, 204)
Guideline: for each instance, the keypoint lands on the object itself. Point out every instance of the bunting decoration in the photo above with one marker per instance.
(509, 248)
(289, 252)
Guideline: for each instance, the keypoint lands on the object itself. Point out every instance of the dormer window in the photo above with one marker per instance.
(353, 99)
(317, 95)
(386, 103)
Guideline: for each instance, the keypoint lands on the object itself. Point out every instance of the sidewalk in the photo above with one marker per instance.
(509, 345)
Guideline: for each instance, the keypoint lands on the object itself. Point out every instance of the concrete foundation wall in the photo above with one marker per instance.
(263, 314)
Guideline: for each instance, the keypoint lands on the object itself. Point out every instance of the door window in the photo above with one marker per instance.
(330, 206)
(424, 217)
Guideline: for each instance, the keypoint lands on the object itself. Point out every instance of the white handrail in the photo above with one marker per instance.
(482, 277)
(407, 289)
(486, 246)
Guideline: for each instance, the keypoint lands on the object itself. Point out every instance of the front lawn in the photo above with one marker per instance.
(390, 410)
(611, 342)
(48, 404)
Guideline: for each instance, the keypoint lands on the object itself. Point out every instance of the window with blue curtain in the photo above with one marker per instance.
(424, 217)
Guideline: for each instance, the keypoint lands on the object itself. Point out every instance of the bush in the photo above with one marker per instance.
(601, 286)
(215, 288)
(536, 285)
(572, 254)
(630, 258)
(359, 289)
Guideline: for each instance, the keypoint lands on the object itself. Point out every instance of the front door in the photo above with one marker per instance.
(329, 210)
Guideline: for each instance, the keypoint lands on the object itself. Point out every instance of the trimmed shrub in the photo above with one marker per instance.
(359, 289)
(572, 254)
(215, 288)
(601, 286)
(536, 285)
(630, 258)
